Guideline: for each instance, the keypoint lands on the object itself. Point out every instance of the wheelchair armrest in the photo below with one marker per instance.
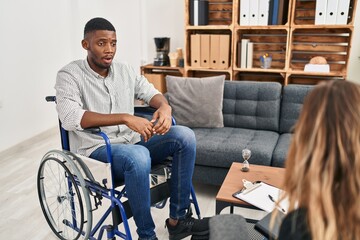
(50, 98)
(144, 112)
(93, 130)
(147, 112)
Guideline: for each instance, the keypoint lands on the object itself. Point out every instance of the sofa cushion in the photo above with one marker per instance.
(196, 102)
(281, 150)
(221, 147)
(252, 105)
(292, 101)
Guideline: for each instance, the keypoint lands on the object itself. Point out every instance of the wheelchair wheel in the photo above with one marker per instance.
(63, 196)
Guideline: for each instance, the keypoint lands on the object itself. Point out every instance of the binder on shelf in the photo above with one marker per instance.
(249, 55)
(224, 51)
(253, 12)
(281, 12)
(205, 50)
(263, 12)
(271, 6)
(331, 12)
(238, 57)
(214, 50)
(199, 12)
(343, 12)
(195, 50)
(320, 12)
(275, 12)
(244, 43)
(244, 12)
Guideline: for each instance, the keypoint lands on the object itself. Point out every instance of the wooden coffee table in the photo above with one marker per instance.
(233, 183)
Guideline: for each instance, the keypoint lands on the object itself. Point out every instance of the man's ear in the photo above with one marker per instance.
(85, 44)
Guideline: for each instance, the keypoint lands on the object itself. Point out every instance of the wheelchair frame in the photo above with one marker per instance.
(67, 207)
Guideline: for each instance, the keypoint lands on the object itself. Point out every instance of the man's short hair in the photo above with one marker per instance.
(98, 24)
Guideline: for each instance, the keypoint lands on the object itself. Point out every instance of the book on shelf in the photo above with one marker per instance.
(243, 57)
(199, 12)
(249, 55)
(278, 10)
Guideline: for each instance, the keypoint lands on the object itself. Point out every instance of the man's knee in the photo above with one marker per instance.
(185, 135)
(136, 157)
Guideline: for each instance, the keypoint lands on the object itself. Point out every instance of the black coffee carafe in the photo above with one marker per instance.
(162, 50)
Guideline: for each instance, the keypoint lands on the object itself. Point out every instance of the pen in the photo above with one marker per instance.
(273, 200)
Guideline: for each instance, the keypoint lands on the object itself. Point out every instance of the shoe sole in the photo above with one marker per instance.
(200, 237)
(184, 235)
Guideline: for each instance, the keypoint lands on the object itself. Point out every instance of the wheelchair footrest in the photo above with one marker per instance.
(116, 213)
(160, 192)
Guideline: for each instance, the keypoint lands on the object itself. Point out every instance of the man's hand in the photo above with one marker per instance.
(162, 120)
(141, 125)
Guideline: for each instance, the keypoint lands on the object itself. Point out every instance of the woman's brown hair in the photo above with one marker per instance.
(323, 164)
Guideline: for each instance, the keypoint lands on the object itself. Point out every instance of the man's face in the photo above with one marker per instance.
(101, 48)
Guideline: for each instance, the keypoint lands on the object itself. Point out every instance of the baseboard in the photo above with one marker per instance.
(29, 142)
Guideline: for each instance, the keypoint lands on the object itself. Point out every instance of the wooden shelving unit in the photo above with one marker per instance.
(291, 44)
(156, 75)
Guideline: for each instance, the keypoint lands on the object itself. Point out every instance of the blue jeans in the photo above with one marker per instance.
(132, 163)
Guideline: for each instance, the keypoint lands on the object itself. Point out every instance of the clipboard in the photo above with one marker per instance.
(262, 196)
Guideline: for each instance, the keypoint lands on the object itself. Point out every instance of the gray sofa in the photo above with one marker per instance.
(258, 116)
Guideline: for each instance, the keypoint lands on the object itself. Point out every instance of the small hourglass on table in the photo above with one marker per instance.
(246, 154)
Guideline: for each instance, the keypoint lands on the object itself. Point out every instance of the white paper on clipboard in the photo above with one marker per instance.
(260, 197)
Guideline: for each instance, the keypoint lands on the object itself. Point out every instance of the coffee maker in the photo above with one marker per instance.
(162, 50)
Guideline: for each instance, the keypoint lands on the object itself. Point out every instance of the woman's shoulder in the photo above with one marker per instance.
(294, 226)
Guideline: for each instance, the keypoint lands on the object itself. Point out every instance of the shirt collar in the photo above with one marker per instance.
(95, 74)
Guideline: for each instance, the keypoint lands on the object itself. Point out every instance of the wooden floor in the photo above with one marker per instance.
(20, 213)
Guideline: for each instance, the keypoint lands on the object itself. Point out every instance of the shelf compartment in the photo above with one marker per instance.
(304, 12)
(199, 73)
(310, 79)
(220, 12)
(191, 32)
(332, 44)
(260, 77)
(283, 17)
(271, 41)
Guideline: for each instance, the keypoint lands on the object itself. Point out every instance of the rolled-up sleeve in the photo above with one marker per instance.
(143, 89)
(68, 102)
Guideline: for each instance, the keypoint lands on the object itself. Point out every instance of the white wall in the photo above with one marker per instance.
(354, 61)
(38, 37)
(164, 18)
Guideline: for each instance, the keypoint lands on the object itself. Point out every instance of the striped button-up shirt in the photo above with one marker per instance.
(80, 89)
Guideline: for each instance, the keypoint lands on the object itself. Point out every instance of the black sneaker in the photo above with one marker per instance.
(188, 226)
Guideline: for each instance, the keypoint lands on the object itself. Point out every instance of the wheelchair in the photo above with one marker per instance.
(71, 187)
